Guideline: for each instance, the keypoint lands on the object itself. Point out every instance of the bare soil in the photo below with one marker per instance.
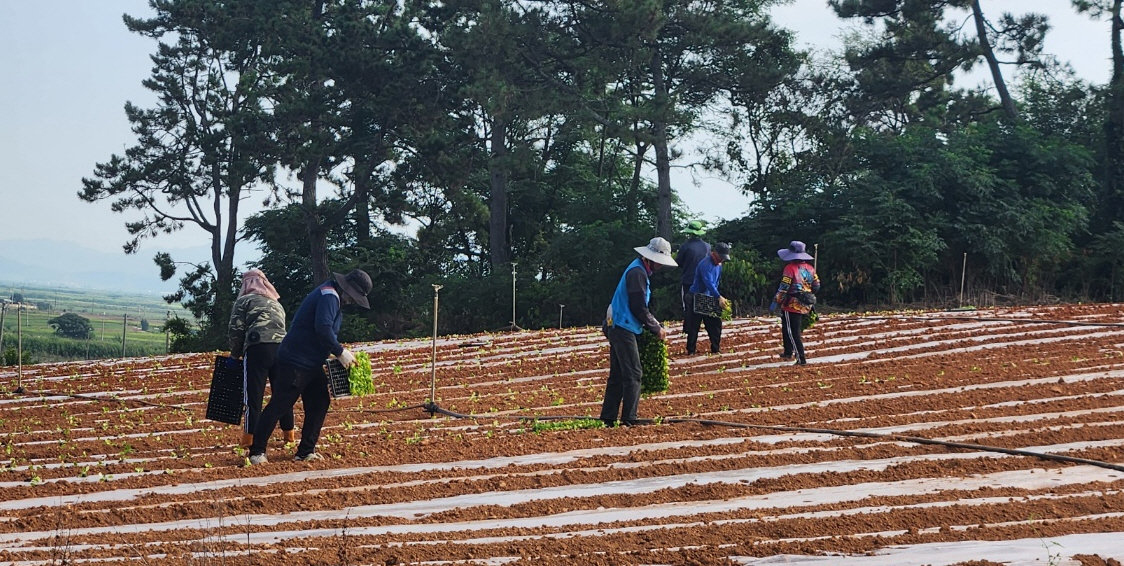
(903, 429)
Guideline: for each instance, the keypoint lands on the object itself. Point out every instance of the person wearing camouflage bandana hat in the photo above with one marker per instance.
(257, 325)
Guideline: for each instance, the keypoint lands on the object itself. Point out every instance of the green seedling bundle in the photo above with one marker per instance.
(653, 362)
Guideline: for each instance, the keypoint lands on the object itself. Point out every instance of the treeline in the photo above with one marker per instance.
(499, 146)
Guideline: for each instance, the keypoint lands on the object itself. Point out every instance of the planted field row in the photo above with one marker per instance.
(993, 433)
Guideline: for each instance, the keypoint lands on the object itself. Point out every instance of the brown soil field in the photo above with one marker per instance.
(929, 438)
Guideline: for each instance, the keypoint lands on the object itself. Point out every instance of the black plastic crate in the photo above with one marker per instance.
(707, 305)
(338, 383)
(224, 404)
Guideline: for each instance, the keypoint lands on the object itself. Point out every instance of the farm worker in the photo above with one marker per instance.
(690, 254)
(311, 339)
(257, 325)
(795, 297)
(626, 318)
(707, 274)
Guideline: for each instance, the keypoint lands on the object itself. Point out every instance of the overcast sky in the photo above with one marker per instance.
(70, 65)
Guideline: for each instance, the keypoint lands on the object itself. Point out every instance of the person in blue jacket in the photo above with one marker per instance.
(312, 337)
(626, 318)
(707, 274)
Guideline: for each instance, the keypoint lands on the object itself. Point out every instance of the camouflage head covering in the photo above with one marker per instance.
(254, 282)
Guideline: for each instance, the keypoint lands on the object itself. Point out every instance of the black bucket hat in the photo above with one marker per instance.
(356, 285)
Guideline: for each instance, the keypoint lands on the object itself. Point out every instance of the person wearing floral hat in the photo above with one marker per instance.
(626, 318)
(795, 298)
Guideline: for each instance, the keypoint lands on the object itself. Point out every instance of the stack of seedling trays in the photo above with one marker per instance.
(224, 404)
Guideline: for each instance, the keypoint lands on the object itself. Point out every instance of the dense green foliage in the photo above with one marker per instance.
(70, 325)
(440, 142)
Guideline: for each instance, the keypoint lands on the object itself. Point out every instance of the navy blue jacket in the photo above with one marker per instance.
(312, 335)
(690, 254)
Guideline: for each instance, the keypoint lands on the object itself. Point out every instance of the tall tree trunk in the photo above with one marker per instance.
(362, 200)
(1005, 99)
(630, 206)
(663, 161)
(1110, 206)
(317, 234)
(497, 221)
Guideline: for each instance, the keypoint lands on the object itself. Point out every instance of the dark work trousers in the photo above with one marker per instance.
(792, 326)
(260, 363)
(308, 385)
(684, 294)
(691, 325)
(622, 391)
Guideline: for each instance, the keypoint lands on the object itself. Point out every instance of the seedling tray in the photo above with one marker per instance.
(224, 403)
(338, 383)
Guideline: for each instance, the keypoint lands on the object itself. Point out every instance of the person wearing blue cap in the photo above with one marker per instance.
(707, 274)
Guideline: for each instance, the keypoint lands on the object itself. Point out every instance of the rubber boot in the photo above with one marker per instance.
(247, 441)
(290, 436)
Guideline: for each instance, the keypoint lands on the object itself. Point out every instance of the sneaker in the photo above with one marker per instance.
(786, 357)
(801, 363)
(257, 459)
(312, 457)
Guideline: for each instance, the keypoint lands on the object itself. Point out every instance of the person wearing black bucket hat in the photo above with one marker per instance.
(312, 337)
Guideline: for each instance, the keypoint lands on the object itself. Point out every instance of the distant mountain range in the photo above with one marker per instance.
(66, 264)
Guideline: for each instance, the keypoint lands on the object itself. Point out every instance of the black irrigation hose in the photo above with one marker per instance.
(433, 408)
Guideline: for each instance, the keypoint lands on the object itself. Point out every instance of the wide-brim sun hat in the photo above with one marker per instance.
(356, 285)
(795, 250)
(695, 227)
(659, 251)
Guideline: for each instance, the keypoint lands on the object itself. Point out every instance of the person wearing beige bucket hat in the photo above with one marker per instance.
(626, 318)
(312, 337)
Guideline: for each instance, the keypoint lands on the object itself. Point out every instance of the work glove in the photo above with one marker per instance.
(773, 307)
(346, 358)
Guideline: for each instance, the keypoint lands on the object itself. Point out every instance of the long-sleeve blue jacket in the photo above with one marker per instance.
(707, 275)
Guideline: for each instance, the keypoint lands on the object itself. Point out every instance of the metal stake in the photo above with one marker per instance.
(963, 272)
(19, 349)
(432, 405)
(3, 310)
(514, 326)
(560, 306)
